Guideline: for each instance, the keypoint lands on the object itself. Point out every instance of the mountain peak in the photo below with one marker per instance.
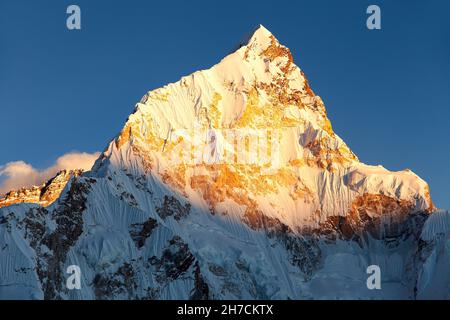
(260, 35)
(253, 114)
(44, 194)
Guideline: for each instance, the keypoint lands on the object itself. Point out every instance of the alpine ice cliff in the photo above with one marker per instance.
(230, 184)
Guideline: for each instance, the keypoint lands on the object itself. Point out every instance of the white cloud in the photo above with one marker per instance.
(18, 174)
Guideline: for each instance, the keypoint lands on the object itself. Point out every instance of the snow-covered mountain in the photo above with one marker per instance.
(44, 194)
(230, 184)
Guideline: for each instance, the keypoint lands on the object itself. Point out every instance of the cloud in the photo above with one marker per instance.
(18, 174)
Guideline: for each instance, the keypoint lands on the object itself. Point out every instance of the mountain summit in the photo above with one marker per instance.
(251, 129)
(230, 184)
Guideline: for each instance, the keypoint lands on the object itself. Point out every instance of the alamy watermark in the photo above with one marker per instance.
(374, 280)
(74, 280)
(73, 21)
(241, 146)
(374, 20)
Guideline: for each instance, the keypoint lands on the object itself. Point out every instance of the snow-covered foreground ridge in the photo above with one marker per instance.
(230, 184)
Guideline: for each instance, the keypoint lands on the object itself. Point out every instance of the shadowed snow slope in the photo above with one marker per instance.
(230, 184)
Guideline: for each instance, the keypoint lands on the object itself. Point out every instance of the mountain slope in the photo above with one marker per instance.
(230, 183)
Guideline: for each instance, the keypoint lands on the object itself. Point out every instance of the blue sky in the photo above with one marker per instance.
(387, 91)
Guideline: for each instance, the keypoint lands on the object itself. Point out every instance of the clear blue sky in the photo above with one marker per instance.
(387, 92)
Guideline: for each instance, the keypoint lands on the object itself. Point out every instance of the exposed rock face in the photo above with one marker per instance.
(44, 195)
(230, 184)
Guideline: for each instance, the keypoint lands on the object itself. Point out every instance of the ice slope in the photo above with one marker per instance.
(434, 278)
(175, 209)
(234, 260)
